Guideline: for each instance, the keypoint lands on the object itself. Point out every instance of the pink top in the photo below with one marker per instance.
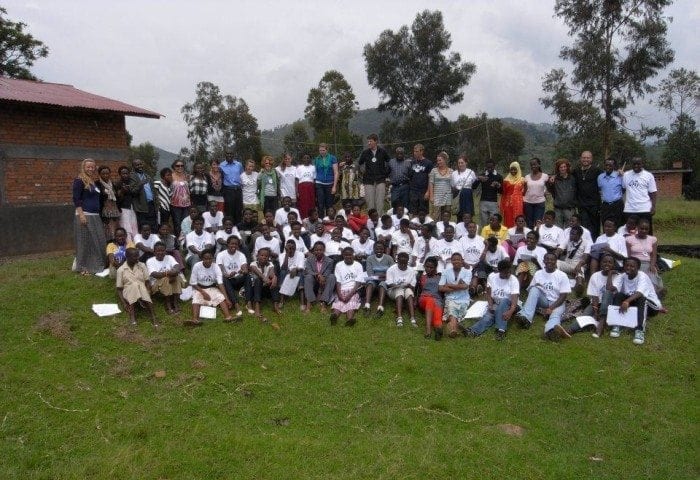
(535, 188)
(180, 194)
(640, 248)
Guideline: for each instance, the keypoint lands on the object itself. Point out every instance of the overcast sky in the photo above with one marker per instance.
(270, 53)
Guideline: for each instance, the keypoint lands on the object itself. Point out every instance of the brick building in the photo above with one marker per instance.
(46, 130)
(669, 183)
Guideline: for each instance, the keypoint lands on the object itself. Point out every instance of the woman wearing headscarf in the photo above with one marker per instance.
(512, 196)
(89, 232)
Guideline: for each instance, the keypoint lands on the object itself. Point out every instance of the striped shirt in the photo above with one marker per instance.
(442, 187)
(162, 195)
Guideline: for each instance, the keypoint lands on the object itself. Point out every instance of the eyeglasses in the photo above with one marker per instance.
(179, 166)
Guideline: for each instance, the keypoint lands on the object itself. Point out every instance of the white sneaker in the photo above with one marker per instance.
(399, 322)
(239, 314)
(615, 332)
(414, 323)
(638, 337)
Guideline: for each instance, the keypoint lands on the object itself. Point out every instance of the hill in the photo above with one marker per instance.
(165, 158)
(539, 137)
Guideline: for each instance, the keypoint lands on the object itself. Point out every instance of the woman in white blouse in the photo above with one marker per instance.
(463, 179)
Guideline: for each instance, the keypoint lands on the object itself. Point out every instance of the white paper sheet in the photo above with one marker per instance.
(289, 286)
(106, 309)
(208, 312)
(477, 310)
(627, 319)
(585, 320)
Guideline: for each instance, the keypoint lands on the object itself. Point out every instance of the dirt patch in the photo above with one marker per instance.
(199, 364)
(125, 334)
(57, 324)
(121, 367)
(510, 429)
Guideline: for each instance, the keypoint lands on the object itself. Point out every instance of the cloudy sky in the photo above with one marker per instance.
(270, 53)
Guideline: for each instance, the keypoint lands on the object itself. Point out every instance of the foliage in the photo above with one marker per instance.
(683, 144)
(623, 146)
(215, 121)
(618, 46)
(679, 93)
(413, 71)
(81, 398)
(148, 154)
(297, 141)
(485, 138)
(332, 104)
(18, 49)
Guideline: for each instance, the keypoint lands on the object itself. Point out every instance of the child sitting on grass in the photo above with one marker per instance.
(454, 284)
(349, 277)
(208, 284)
(264, 280)
(131, 286)
(400, 283)
(164, 272)
(430, 299)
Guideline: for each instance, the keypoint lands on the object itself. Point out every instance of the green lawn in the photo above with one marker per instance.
(80, 399)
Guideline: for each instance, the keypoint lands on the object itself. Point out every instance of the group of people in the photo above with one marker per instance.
(339, 261)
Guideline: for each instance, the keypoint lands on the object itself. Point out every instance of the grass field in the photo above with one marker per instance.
(84, 397)
(80, 396)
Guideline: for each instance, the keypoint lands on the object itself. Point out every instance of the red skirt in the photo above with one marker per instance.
(306, 199)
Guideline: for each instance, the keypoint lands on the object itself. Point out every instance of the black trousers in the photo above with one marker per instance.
(148, 217)
(233, 203)
(612, 210)
(590, 218)
(233, 285)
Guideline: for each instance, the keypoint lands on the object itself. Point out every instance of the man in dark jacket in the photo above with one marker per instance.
(143, 196)
(374, 162)
(319, 278)
(587, 194)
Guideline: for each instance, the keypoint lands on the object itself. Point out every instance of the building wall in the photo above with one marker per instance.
(669, 184)
(41, 148)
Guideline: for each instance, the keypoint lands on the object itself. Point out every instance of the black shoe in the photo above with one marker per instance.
(438, 334)
(523, 322)
(334, 318)
(379, 313)
(500, 335)
(468, 332)
(350, 322)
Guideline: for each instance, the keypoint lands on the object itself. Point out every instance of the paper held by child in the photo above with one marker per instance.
(627, 319)
(289, 286)
(207, 312)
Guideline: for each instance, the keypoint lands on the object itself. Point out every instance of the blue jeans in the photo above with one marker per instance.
(533, 212)
(324, 198)
(493, 317)
(537, 299)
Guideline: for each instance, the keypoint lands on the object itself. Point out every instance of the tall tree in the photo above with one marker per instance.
(217, 120)
(619, 45)
(482, 138)
(412, 69)
(679, 94)
(297, 141)
(330, 104)
(18, 49)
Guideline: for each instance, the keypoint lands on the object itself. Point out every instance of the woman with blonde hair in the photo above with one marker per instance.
(269, 185)
(89, 232)
(440, 186)
(249, 188)
(512, 195)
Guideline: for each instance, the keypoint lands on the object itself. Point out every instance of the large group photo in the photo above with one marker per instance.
(248, 241)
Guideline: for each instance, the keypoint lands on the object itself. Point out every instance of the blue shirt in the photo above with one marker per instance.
(324, 168)
(146, 186)
(448, 276)
(610, 186)
(231, 173)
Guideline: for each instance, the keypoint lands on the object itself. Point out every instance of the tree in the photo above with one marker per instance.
(18, 49)
(618, 46)
(482, 138)
(297, 141)
(217, 120)
(412, 70)
(332, 104)
(679, 93)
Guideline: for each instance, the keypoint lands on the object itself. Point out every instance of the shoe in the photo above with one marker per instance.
(379, 312)
(638, 337)
(438, 334)
(615, 332)
(366, 310)
(469, 333)
(414, 323)
(334, 318)
(239, 314)
(523, 322)
(350, 322)
(500, 335)
(561, 331)
(399, 322)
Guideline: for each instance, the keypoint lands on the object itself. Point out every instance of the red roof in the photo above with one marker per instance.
(61, 95)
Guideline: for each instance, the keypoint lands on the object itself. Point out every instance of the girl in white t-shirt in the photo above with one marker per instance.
(208, 285)
(349, 277)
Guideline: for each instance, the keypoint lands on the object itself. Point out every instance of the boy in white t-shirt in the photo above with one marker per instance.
(402, 240)
(234, 269)
(400, 284)
(165, 275)
(502, 291)
(213, 219)
(550, 234)
(548, 290)
(197, 241)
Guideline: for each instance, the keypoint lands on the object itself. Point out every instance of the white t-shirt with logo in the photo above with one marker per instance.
(472, 248)
(273, 244)
(202, 275)
(502, 287)
(347, 275)
(249, 188)
(366, 248)
(288, 179)
(402, 242)
(492, 258)
(637, 187)
(395, 276)
(550, 236)
(231, 263)
(552, 284)
(281, 214)
(597, 284)
(306, 173)
(155, 265)
(198, 241)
